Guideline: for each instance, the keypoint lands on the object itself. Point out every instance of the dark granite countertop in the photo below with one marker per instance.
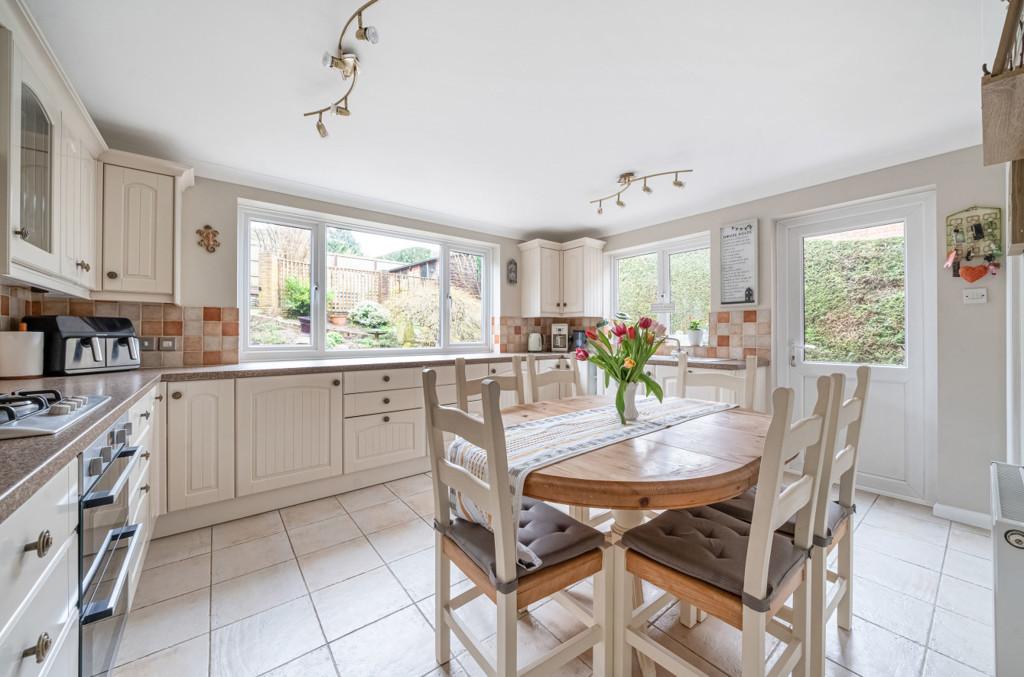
(26, 464)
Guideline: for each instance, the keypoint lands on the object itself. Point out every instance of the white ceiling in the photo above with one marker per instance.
(510, 116)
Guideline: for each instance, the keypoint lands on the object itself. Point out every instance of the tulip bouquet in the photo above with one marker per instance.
(621, 349)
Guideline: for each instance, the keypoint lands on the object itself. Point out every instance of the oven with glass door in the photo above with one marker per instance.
(110, 545)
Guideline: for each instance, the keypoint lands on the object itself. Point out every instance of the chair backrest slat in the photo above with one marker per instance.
(570, 376)
(841, 465)
(470, 387)
(743, 387)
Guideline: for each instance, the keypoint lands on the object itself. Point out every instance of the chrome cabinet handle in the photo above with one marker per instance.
(41, 545)
(41, 648)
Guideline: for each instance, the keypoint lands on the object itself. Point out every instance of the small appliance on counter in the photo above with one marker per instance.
(579, 339)
(21, 354)
(559, 338)
(82, 345)
(534, 342)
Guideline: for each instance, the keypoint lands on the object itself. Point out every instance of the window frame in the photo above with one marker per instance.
(664, 250)
(317, 223)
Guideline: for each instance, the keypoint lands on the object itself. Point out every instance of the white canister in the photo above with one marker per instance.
(21, 354)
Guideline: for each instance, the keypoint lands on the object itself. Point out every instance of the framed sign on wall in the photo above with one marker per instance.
(737, 257)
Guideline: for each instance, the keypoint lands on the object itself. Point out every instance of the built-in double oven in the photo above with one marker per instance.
(110, 544)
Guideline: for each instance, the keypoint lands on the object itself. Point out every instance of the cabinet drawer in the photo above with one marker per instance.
(145, 445)
(499, 369)
(393, 379)
(382, 439)
(65, 652)
(53, 510)
(363, 404)
(138, 499)
(46, 612)
(141, 414)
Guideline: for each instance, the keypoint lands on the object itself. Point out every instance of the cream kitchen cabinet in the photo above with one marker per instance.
(138, 231)
(289, 430)
(561, 279)
(383, 439)
(79, 210)
(200, 443)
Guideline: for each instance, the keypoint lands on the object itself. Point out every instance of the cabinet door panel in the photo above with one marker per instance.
(70, 204)
(572, 281)
(289, 431)
(200, 443)
(550, 281)
(138, 224)
(382, 439)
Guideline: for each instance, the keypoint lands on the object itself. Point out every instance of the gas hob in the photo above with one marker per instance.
(28, 413)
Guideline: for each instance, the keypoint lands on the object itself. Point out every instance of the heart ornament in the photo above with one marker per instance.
(973, 273)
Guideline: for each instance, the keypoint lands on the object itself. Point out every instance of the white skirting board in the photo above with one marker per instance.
(982, 520)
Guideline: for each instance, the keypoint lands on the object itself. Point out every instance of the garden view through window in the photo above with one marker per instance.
(380, 290)
(854, 296)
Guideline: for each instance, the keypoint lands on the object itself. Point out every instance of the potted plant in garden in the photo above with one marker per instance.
(621, 349)
(695, 334)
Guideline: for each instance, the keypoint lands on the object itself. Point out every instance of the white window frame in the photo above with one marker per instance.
(664, 250)
(317, 223)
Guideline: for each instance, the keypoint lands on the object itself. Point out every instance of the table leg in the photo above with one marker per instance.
(623, 521)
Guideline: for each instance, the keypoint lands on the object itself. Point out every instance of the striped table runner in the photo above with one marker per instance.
(535, 444)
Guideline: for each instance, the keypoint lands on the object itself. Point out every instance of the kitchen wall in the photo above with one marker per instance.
(211, 279)
(971, 416)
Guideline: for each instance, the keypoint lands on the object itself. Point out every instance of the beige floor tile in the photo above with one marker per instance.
(178, 547)
(337, 563)
(898, 522)
(422, 503)
(966, 599)
(165, 624)
(324, 534)
(712, 640)
(247, 557)
(450, 669)
(895, 574)
(416, 573)
(405, 539)
(308, 513)
(968, 568)
(870, 650)
(836, 670)
(358, 601)
(399, 644)
(407, 486)
(364, 498)
(246, 529)
(964, 640)
(533, 640)
(885, 503)
(317, 663)
(265, 641)
(937, 665)
(900, 546)
(905, 615)
(970, 542)
(384, 515)
(171, 580)
(190, 658)
(250, 594)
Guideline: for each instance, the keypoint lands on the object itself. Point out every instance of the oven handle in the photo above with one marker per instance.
(97, 498)
(96, 611)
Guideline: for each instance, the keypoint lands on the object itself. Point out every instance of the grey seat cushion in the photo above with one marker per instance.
(742, 507)
(711, 546)
(551, 534)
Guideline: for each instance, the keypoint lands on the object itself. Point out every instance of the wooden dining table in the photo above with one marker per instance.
(698, 462)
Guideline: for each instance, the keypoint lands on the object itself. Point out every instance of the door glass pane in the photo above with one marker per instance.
(382, 291)
(36, 162)
(279, 285)
(854, 296)
(690, 284)
(465, 286)
(636, 284)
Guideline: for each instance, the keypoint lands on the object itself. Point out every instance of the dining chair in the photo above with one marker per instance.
(569, 551)
(740, 572)
(568, 376)
(743, 387)
(466, 388)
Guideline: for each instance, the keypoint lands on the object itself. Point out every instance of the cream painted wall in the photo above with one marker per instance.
(971, 338)
(211, 279)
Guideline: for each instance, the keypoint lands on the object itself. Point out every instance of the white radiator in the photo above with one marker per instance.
(1008, 559)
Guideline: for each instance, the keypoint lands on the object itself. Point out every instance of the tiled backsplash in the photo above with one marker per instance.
(510, 333)
(15, 303)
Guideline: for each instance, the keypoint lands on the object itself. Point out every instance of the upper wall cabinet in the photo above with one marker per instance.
(561, 279)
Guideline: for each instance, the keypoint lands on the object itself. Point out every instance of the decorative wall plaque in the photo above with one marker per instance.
(208, 238)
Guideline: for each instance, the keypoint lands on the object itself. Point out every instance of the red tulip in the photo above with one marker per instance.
(619, 329)
(582, 355)
(592, 334)
(631, 332)
(645, 322)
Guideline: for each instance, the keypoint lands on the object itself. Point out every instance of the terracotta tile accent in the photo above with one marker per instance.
(5, 305)
(723, 316)
(55, 307)
(194, 313)
(193, 328)
(81, 308)
(750, 316)
(212, 357)
(211, 328)
(229, 314)
(211, 314)
(229, 328)
(35, 308)
(152, 311)
(132, 311)
(173, 328)
(749, 352)
(172, 312)
(106, 309)
(152, 328)
(192, 359)
(723, 341)
(192, 344)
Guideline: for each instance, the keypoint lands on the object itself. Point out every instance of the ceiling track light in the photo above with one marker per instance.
(627, 179)
(347, 63)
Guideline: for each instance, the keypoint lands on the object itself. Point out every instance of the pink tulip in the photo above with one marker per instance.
(619, 329)
(582, 355)
(645, 322)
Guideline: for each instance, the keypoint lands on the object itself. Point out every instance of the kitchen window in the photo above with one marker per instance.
(670, 281)
(318, 286)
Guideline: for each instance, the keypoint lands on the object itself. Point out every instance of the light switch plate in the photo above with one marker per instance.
(147, 343)
(976, 295)
(166, 343)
